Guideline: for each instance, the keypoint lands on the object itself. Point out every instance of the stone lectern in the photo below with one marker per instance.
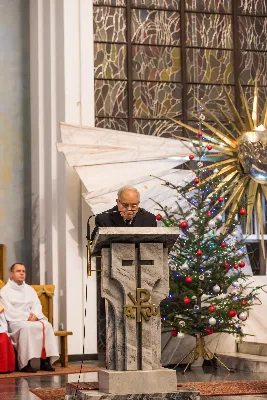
(135, 279)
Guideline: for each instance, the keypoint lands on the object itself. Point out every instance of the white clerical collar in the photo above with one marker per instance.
(15, 286)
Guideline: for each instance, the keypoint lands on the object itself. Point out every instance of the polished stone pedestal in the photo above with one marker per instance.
(73, 394)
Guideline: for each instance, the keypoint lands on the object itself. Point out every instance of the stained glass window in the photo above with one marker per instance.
(153, 57)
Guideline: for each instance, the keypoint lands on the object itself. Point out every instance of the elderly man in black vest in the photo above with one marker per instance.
(126, 213)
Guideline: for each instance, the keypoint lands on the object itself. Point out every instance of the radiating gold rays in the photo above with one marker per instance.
(235, 182)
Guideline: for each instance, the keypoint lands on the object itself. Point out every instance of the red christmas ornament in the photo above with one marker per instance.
(243, 302)
(209, 331)
(242, 211)
(212, 308)
(158, 217)
(223, 244)
(199, 253)
(208, 214)
(183, 224)
(242, 264)
(232, 313)
(236, 266)
(174, 332)
(209, 147)
(191, 157)
(186, 300)
(199, 134)
(220, 199)
(226, 265)
(196, 180)
(188, 279)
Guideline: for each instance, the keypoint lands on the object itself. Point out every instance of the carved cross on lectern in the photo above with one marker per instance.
(131, 344)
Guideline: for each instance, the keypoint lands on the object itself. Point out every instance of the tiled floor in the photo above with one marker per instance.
(18, 389)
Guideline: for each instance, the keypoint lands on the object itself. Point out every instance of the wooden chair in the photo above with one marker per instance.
(45, 294)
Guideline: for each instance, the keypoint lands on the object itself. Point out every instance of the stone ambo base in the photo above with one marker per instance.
(124, 382)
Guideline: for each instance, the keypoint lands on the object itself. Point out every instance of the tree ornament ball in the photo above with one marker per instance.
(232, 313)
(242, 211)
(226, 265)
(212, 224)
(212, 321)
(216, 289)
(191, 157)
(243, 302)
(223, 245)
(199, 252)
(243, 316)
(174, 333)
(208, 214)
(209, 147)
(186, 300)
(209, 331)
(196, 180)
(158, 217)
(242, 264)
(199, 134)
(236, 266)
(188, 279)
(220, 199)
(212, 308)
(183, 224)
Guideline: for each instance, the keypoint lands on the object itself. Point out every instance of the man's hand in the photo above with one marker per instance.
(32, 317)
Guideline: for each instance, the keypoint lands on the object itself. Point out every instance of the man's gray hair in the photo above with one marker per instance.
(125, 188)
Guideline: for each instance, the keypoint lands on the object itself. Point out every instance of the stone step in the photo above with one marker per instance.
(243, 361)
(259, 349)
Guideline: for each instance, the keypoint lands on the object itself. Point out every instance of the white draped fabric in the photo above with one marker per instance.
(3, 323)
(106, 160)
(27, 336)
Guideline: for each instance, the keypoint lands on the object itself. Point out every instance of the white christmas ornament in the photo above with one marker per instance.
(216, 288)
(201, 277)
(243, 316)
(212, 224)
(212, 321)
(182, 323)
(219, 218)
(184, 266)
(215, 171)
(235, 233)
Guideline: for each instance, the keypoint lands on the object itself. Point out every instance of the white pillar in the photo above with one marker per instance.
(62, 87)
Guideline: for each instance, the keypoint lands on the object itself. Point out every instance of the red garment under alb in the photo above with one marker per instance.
(7, 354)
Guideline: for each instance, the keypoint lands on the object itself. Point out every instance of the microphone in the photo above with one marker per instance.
(88, 236)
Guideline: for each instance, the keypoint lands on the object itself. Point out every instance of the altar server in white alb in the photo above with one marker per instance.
(30, 332)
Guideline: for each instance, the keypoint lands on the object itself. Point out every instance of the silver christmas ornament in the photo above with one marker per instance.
(235, 233)
(219, 218)
(216, 289)
(212, 321)
(202, 117)
(252, 153)
(201, 277)
(212, 224)
(184, 266)
(215, 171)
(200, 164)
(182, 323)
(235, 284)
(243, 316)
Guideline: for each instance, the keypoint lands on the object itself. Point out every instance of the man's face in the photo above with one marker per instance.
(128, 204)
(18, 274)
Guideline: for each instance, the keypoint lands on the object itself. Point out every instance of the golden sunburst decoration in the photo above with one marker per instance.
(240, 156)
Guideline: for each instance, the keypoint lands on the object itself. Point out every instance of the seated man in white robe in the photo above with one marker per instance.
(30, 332)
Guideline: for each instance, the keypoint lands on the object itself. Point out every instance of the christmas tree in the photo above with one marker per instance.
(209, 292)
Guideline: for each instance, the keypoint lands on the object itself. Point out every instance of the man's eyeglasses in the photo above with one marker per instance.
(129, 206)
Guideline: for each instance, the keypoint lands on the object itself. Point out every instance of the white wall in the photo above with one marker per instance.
(62, 87)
